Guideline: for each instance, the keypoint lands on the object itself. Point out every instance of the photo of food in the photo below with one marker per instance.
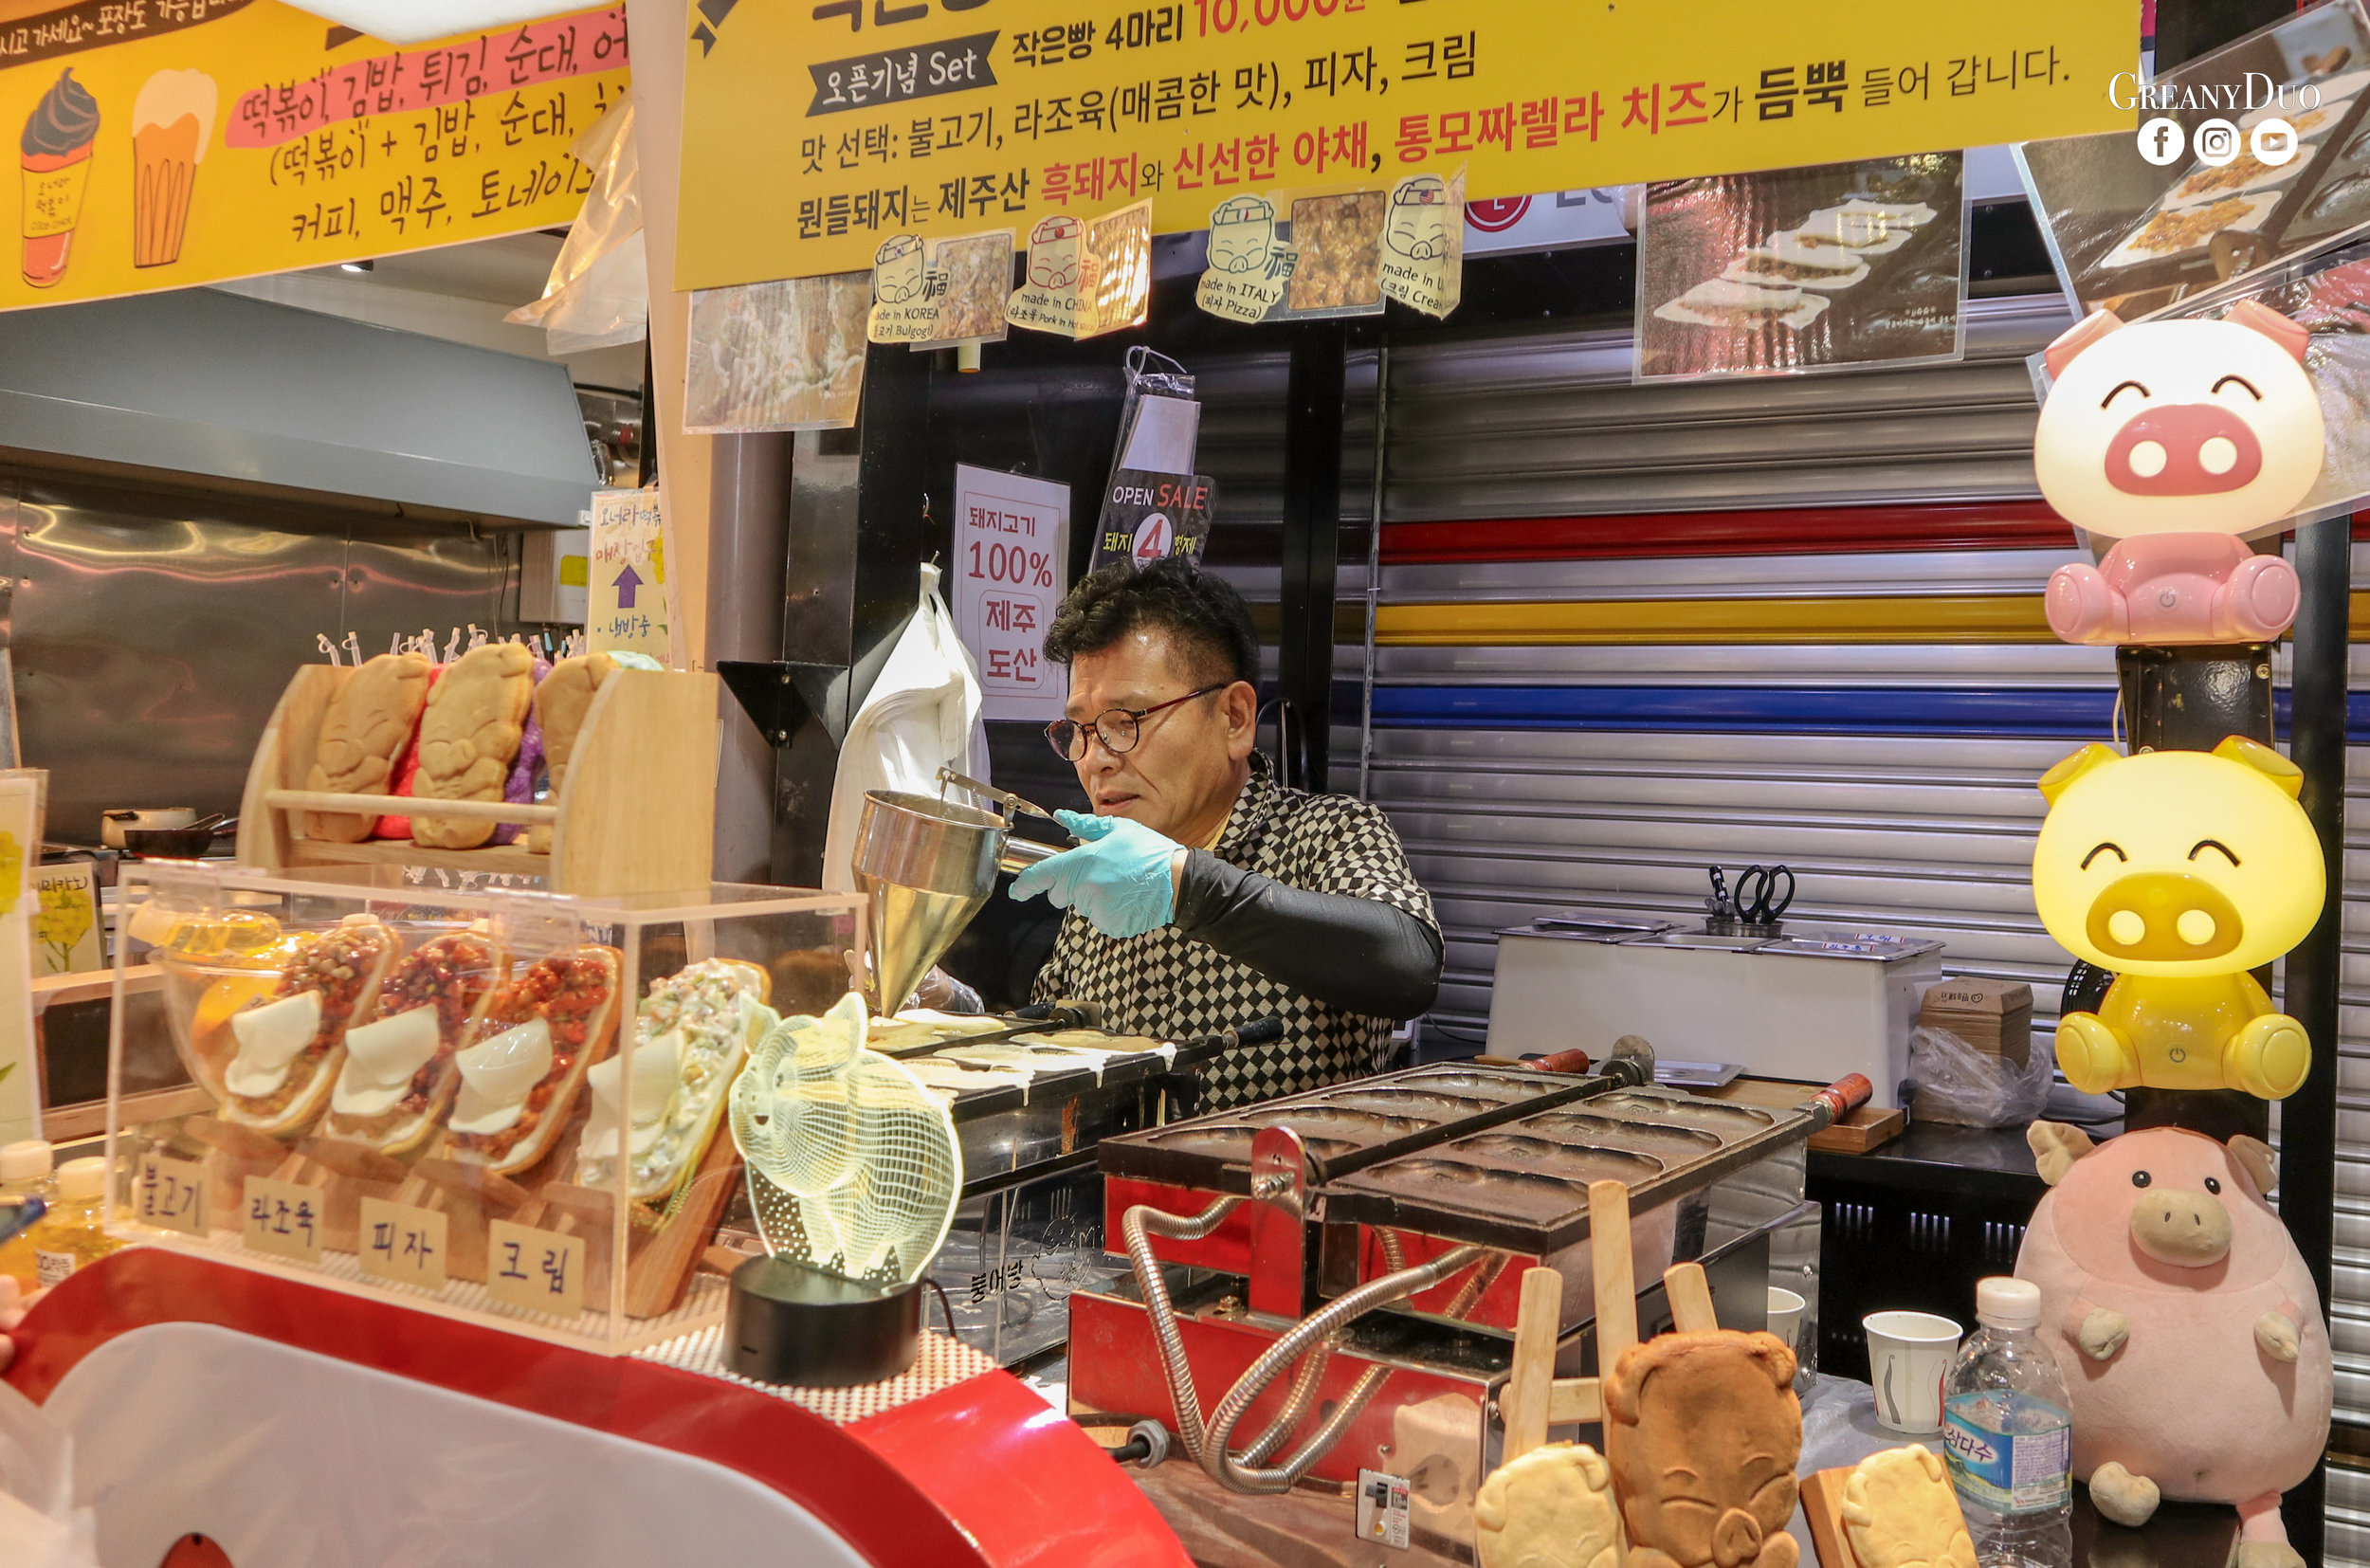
(1339, 240)
(56, 151)
(1115, 284)
(2138, 237)
(1802, 269)
(776, 356)
(977, 270)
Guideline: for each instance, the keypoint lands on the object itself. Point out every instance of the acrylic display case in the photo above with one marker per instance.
(492, 1102)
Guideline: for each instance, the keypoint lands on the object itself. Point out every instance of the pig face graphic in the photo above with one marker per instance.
(1053, 253)
(2176, 863)
(2179, 427)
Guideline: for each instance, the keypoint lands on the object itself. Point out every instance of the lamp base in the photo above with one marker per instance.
(785, 1322)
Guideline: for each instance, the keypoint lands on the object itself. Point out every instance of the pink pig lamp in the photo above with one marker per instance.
(2177, 439)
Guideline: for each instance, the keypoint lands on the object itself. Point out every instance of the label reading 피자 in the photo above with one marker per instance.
(540, 1270)
(171, 1194)
(282, 1218)
(1382, 1508)
(2008, 1452)
(402, 1243)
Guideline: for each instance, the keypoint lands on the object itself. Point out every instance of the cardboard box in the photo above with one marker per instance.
(1994, 1016)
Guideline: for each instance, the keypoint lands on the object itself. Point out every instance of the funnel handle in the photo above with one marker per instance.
(1018, 854)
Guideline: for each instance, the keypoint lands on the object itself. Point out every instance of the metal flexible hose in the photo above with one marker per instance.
(1311, 1331)
(1134, 1226)
(1296, 1402)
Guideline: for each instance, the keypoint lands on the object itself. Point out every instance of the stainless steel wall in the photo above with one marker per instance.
(152, 633)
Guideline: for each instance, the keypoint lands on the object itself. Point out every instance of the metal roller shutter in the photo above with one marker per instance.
(1554, 763)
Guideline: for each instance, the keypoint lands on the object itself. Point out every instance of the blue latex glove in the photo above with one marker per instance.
(1118, 877)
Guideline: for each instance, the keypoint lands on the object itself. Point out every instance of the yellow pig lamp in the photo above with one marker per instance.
(2179, 872)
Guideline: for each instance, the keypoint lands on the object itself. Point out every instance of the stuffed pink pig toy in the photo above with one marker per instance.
(2177, 439)
(2185, 1322)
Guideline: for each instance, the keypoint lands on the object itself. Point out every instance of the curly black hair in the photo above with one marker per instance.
(1202, 613)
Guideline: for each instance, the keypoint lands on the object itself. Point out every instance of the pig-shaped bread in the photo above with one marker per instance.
(2179, 872)
(2178, 440)
(1553, 1507)
(1702, 1432)
(2186, 1324)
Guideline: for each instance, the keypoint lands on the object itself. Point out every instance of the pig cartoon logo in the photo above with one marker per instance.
(2179, 872)
(2177, 439)
(1242, 232)
(2186, 1324)
(1053, 253)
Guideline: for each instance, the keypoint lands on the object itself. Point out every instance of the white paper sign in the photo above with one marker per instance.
(630, 601)
(1011, 566)
(66, 923)
(20, 853)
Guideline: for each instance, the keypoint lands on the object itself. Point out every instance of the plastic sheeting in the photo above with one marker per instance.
(599, 292)
(921, 715)
(291, 1460)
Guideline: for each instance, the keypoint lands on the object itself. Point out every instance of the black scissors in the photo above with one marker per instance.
(1759, 902)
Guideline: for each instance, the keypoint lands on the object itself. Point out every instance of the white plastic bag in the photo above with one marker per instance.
(921, 715)
(599, 292)
(1954, 1083)
(40, 1528)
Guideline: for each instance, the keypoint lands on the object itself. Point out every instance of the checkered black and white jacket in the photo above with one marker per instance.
(1167, 985)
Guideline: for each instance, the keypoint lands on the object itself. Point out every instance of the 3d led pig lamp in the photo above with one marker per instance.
(2178, 441)
(2179, 872)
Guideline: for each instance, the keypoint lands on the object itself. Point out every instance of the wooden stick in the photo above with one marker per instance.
(1571, 1400)
(396, 805)
(1616, 1286)
(1690, 1296)
(1524, 1403)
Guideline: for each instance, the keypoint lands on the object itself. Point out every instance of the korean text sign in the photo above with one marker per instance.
(1011, 559)
(814, 130)
(171, 142)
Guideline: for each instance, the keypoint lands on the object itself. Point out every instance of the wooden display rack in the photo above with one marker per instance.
(636, 813)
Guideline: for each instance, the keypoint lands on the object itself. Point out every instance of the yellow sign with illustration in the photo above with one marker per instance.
(174, 142)
(814, 130)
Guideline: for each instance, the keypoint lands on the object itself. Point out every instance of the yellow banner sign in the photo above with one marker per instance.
(813, 129)
(169, 142)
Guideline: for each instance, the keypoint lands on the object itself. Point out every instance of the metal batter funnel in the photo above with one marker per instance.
(926, 866)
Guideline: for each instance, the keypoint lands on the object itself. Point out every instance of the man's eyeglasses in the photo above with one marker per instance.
(1119, 729)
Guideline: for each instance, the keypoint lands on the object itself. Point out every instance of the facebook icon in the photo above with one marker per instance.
(2161, 140)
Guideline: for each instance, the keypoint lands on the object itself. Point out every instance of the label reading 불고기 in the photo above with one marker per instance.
(2008, 1452)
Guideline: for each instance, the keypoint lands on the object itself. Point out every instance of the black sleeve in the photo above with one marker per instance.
(1358, 954)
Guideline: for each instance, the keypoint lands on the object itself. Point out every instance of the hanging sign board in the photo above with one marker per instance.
(813, 132)
(1011, 566)
(169, 142)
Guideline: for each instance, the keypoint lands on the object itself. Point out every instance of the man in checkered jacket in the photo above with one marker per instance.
(1206, 895)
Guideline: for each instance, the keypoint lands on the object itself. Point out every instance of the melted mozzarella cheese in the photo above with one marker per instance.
(497, 1075)
(381, 1059)
(269, 1038)
(657, 1064)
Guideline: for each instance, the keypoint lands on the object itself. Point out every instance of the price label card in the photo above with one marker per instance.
(541, 1271)
(402, 1243)
(282, 1218)
(171, 1194)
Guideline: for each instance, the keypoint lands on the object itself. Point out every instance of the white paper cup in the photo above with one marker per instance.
(1786, 1315)
(1908, 1356)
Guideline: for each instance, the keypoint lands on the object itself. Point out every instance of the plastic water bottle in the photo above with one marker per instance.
(2008, 1433)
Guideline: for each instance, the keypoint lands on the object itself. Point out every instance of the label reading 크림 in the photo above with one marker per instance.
(402, 1243)
(540, 1270)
